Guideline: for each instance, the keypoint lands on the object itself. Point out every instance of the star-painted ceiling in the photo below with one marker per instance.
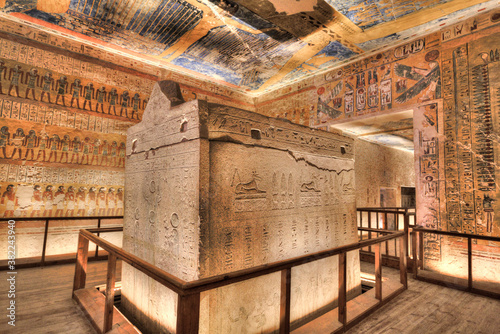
(254, 45)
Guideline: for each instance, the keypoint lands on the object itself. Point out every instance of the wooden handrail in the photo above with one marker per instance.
(456, 234)
(59, 218)
(188, 307)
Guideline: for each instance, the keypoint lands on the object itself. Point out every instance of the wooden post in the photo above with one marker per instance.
(469, 262)
(414, 252)
(98, 234)
(188, 314)
(378, 272)
(406, 229)
(361, 224)
(396, 228)
(110, 293)
(44, 247)
(370, 226)
(342, 289)
(402, 261)
(286, 283)
(81, 263)
(386, 227)
(421, 250)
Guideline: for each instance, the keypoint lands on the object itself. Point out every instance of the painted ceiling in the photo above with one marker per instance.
(395, 129)
(253, 45)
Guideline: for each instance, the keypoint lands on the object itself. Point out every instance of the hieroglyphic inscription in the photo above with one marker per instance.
(464, 138)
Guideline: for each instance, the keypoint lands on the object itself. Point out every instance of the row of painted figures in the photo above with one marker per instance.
(32, 80)
(66, 150)
(68, 203)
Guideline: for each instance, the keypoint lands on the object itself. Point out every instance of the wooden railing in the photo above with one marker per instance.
(386, 219)
(418, 253)
(26, 262)
(188, 307)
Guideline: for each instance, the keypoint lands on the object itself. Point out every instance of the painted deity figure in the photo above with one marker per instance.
(54, 144)
(65, 146)
(95, 151)
(100, 97)
(59, 197)
(3, 72)
(81, 201)
(88, 94)
(4, 140)
(136, 101)
(31, 142)
(86, 150)
(15, 77)
(10, 200)
(76, 146)
(18, 141)
(48, 200)
(76, 90)
(125, 103)
(121, 155)
(62, 89)
(36, 201)
(69, 199)
(43, 145)
(104, 152)
(101, 201)
(111, 201)
(31, 79)
(47, 83)
(112, 99)
(92, 201)
(114, 151)
(119, 201)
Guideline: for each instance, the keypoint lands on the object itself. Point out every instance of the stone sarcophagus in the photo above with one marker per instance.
(212, 189)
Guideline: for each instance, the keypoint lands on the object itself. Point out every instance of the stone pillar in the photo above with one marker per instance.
(213, 189)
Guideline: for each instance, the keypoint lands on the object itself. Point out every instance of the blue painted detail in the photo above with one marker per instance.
(336, 49)
(13, 6)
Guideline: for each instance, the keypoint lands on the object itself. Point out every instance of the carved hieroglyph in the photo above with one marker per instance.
(212, 189)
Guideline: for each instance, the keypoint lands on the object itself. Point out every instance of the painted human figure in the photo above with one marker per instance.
(32, 79)
(62, 88)
(119, 201)
(136, 101)
(15, 77)
(54, 144)
(88, 93)
(489, 212)
(80, 201)
(112, 99)
(121, 155)
(43, 144)
(69, 199)
(111, 201)
(86, 150)
(125, 103)
(101, 201)
(95, 151)
(76, 146)
(59, 197)
(48, 200)
(145, 103)
(75, 91)
(10, 200)
(92, 201)
(18, 141)
(114, 151)
(100, 97)
(104, 153)
(3, 72)
(31, 142)
(47, 83)
(4, 140)
(65, 144)
(36, 201)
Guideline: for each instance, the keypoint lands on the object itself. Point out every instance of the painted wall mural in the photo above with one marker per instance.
(451, 81)
(63, 122)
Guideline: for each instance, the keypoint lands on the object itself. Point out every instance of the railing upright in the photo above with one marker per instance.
(110, 293)
(342, 308)
(285, 297)
(81, 263)
(188, 313)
